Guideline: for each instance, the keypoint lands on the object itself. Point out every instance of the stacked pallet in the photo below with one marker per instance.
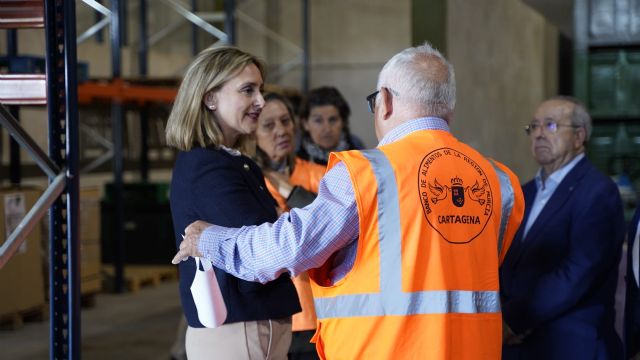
(90, 259)
(138, 276)
(22, 278)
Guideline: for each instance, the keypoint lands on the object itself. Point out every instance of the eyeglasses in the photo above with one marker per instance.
(551, 127)
(371, 99)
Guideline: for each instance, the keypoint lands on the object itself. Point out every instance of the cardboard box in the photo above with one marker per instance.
(90, 258)
(21, 278)
(90, 215)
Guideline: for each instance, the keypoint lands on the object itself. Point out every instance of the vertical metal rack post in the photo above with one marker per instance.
(15, 172)
(230, 21)
(306, 36)
(581, 49)
(60, 28)
(117, 118)
(143, 61)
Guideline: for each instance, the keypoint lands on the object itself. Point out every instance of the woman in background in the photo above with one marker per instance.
(276, 155)
(214, 116)
(293, 182)
(325, 125)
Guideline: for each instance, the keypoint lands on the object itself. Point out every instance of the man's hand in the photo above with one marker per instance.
(189, 245)
(511, 338)
(280, 181)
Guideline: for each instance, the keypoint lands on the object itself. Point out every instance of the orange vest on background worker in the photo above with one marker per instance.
(436, 219)
(307, 175)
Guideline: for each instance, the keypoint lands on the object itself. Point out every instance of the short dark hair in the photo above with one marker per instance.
(326, 95)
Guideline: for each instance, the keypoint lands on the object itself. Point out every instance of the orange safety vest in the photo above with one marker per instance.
(307, 175)
(436, 219)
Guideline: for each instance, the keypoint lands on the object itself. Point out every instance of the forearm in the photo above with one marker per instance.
(262, 253)
(234, 251)
(299, 240)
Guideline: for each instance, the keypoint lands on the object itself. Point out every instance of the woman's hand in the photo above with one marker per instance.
(280, 181)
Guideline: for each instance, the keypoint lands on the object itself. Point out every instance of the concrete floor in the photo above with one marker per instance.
(128, 326)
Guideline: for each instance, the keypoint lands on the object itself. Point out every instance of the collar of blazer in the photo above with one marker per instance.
(560, 196)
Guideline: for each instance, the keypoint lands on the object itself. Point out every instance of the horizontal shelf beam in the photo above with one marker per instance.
(23, 89)
(123, 91)
(21, 14)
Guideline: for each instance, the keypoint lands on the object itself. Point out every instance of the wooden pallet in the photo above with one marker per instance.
(88, 299)
(137, 276)
(90, 286)
(15, 320)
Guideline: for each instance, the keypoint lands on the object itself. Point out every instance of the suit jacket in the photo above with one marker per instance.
(558, 282)
(212, 185)
(632, 307)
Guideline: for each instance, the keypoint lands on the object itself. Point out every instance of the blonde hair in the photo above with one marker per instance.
(191, 123)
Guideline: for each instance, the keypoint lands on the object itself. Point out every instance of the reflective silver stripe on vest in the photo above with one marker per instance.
(412, 303)
(391, 300)
(508, 197)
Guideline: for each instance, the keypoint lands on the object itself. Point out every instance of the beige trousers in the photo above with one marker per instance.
(250, 340)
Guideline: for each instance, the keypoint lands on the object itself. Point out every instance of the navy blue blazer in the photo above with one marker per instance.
(558, 283)
(217, 187)
(632, 303)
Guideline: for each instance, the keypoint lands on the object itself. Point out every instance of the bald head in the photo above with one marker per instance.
(579, 115)
(432, 67)
(424, 81)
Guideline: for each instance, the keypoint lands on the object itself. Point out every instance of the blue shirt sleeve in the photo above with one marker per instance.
(299, 240)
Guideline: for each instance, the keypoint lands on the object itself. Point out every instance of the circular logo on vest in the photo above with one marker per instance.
(455, 195)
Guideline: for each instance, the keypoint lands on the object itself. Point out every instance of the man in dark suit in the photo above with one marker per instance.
(559, 277)
(632, 306)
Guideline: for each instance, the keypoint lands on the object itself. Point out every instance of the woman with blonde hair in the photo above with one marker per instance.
(212, 123)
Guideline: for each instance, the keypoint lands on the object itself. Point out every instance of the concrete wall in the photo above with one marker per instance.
(350, 42)
(505, 55)
(349, 50)
(505, 58)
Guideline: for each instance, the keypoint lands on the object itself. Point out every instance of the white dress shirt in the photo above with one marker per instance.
(546, 188)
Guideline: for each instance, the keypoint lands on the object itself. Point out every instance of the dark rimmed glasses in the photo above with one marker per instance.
(371, 99)
(550, 127)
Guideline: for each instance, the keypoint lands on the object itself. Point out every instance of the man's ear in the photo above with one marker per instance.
(387, 103)
(581, 136)
(209, 99)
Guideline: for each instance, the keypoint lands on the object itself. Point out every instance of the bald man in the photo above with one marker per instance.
(559, 278)
(404, 241)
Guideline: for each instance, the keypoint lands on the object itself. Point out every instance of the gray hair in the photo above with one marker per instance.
(421, 76)
(580, 116)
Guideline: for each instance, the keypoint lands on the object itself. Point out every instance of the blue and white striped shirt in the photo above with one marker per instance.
(304, 238)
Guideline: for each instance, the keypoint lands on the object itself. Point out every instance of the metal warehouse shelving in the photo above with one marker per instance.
(58, 89)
